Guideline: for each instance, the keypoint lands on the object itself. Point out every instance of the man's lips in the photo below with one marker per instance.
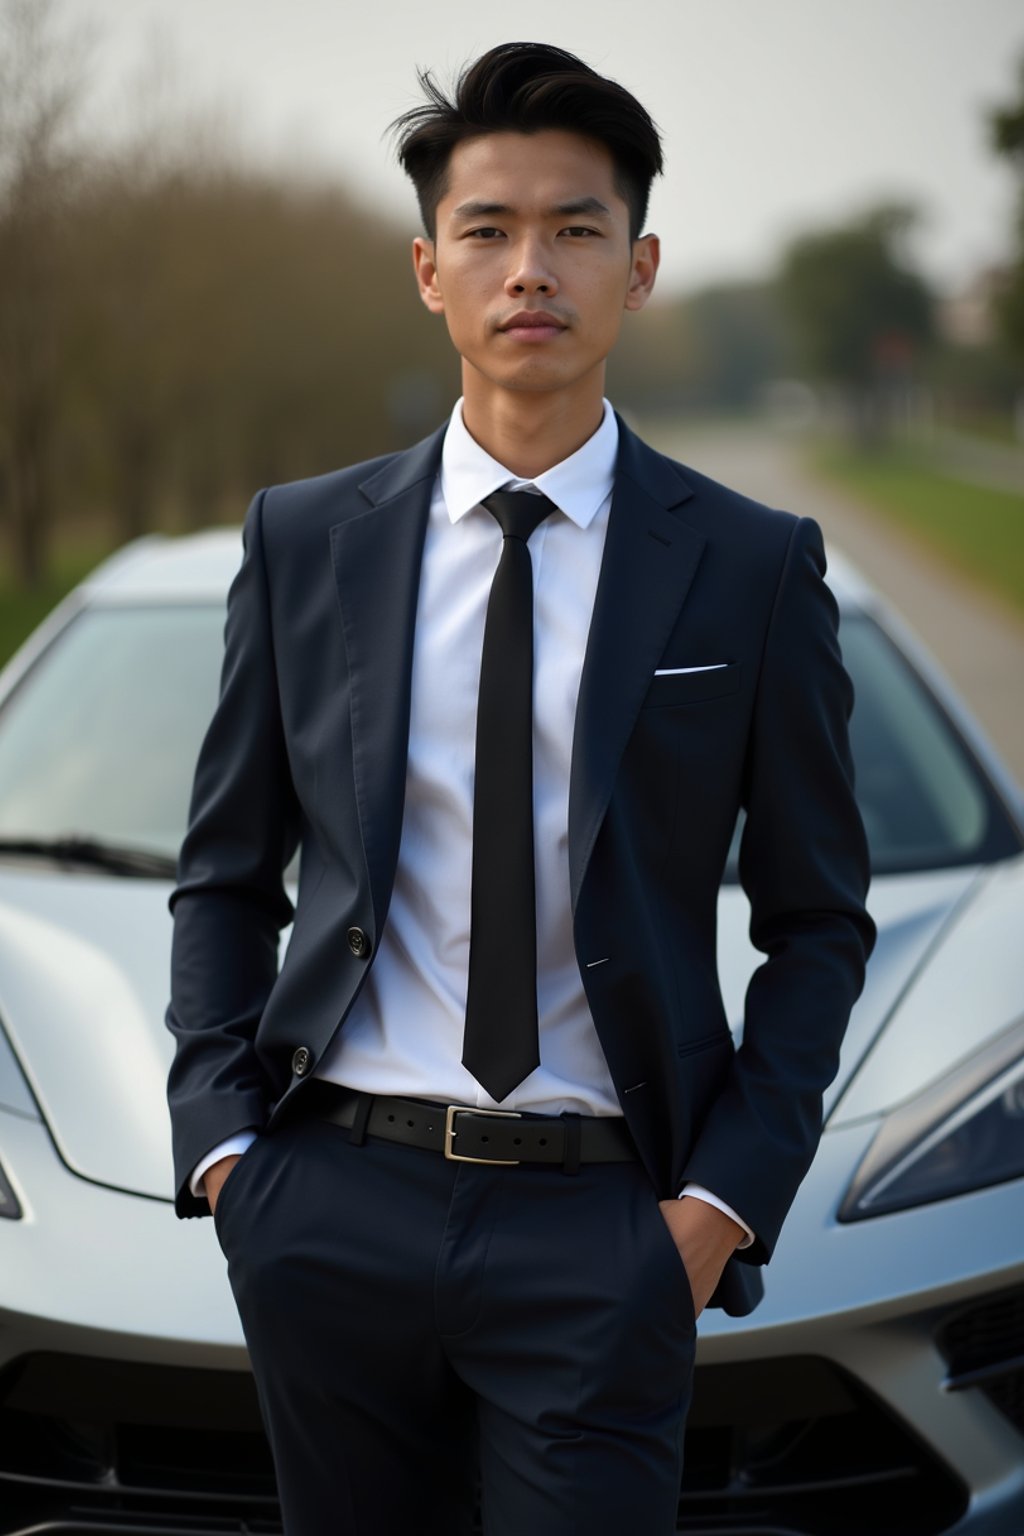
(533, 323)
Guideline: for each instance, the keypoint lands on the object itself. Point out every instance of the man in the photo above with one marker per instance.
(507, 692)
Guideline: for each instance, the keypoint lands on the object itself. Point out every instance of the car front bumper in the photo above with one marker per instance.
(875, 1388)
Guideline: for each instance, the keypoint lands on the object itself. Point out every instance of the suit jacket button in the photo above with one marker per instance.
(302, 1060)
(358, 943)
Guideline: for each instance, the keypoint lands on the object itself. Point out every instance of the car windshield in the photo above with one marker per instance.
(924, 802)
(100, 741)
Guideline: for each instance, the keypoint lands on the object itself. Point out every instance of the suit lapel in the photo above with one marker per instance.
(377, 553)
(650, 558)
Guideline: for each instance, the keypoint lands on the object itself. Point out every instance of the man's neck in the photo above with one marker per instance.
(530, 433)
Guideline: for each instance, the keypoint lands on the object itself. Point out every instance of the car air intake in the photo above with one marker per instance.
(983, 1344)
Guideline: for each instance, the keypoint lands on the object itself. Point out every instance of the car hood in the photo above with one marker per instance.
(84, 963)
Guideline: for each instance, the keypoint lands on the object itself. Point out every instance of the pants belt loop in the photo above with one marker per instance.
(357, 1133)
(571, 1158)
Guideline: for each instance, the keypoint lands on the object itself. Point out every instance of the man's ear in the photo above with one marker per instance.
(425, 267)
(646, 256)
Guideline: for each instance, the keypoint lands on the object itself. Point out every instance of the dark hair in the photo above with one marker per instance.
(526, 88)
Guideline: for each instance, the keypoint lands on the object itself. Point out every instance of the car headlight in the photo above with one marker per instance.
(963, 1133)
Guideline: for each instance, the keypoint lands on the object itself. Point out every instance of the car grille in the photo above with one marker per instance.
(105, 1445)
(984, 1347)
(788, 1447)
(796, 1447)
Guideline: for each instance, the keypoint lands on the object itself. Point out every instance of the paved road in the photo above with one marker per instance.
(978, 640)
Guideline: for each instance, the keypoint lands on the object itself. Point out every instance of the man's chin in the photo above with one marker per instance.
(530, 375)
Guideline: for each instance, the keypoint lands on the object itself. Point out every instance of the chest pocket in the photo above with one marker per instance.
(674, 688)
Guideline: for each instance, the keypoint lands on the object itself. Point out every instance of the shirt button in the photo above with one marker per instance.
(302, 1060)
(358, 943)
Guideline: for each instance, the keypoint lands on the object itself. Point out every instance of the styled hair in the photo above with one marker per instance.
(527, 88)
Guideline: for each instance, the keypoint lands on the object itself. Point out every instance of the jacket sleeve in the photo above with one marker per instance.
(804, 867)
(230, 902)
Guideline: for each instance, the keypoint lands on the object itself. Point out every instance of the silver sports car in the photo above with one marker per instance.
(878, 1388)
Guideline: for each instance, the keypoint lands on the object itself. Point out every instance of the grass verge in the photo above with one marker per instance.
(978, 530)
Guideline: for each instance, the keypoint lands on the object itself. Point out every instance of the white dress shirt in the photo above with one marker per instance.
(404, 1032)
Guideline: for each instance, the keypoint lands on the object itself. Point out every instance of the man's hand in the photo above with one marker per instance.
(215, 1175)
(705, 1237)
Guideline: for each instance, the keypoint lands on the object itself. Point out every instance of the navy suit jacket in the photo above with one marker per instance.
(308, 747)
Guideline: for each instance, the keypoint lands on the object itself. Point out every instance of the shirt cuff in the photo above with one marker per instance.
(700, 1193)
(240, 1142)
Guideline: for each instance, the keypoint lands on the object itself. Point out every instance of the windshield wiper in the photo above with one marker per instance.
(92, 853)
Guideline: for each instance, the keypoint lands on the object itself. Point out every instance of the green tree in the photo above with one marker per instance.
(714, 350)
(1006, 126)
(862, 316)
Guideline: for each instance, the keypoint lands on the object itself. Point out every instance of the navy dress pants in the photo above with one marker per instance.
(414, 1324)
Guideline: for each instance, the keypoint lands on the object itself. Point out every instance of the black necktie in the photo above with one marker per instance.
(500, 1045)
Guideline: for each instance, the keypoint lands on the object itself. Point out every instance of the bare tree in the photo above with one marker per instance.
(177, 325)
(40, 90)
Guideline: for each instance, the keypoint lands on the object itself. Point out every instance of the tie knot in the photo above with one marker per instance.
(518, 513)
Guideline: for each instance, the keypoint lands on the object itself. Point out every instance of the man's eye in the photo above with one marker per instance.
(486, 233)
(580, 229)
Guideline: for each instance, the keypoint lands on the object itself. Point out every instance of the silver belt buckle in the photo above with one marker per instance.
(450, 1134)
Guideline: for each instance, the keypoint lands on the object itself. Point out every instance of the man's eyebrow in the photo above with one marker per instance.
(478, 210)
(579, 205)
(584, 205)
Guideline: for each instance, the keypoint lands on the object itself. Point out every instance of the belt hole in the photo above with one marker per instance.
(391, 1119)
(485, 1139)
(543, 1141)
(410, 1122)
(517, 1141)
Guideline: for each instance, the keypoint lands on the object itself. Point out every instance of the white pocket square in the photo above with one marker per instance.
(714, 666)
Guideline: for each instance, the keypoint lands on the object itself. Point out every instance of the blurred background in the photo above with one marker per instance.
(205, 283)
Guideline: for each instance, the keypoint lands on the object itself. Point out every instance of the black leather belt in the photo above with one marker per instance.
(465, 1135)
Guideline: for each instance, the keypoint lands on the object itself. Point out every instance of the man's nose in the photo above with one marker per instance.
(530, 272)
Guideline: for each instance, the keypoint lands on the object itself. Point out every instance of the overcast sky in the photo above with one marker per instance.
(776, 114)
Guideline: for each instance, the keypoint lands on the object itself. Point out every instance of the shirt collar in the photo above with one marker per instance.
(577, 486)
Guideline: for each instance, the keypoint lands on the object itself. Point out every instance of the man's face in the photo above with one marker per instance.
(533, 265)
